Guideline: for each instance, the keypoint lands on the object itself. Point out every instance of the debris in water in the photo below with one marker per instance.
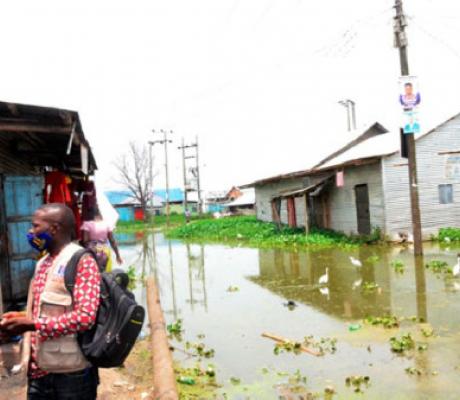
(354, 327)
(235, 381)
(290, 304)
(233, 289)
(186, 380)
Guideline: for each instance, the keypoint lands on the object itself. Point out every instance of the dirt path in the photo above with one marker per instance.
(117, 385)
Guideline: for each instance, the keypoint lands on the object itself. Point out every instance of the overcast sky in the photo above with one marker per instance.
(257, 80)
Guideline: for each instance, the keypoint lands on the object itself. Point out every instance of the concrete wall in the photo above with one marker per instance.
(432, 168)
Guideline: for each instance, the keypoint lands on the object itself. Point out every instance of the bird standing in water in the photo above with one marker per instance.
(324, 279)
(456, 268)
(356, 262)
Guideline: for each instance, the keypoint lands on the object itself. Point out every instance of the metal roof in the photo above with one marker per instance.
(247, 198)
(45, 137)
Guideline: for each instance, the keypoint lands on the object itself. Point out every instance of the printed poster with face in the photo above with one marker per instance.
(409, 99)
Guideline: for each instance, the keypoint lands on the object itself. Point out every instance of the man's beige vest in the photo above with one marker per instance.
(62, 354)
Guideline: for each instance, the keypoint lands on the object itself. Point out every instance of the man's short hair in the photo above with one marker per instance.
(61, 214)
(408, 84)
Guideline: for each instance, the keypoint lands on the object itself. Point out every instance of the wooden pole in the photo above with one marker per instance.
(164, 381)
(401, 44)
(307, 227)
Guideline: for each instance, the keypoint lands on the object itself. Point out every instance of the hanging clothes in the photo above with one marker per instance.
(56, 188)
(89, 200)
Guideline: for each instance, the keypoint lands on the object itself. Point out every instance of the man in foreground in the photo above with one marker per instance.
(57, 368)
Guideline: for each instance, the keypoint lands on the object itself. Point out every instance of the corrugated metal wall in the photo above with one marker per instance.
(126, 213)
(432, 172)
(23, 195)
(13, 165)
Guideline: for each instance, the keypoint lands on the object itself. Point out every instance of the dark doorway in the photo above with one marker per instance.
(362, 209)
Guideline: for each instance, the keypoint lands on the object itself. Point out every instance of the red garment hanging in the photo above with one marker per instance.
(56, 189)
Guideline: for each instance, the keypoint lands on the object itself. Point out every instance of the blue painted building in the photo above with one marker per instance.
(32, 139)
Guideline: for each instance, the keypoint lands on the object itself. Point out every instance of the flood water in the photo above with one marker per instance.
(194, 281)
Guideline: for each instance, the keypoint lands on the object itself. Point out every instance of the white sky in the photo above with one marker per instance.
(257, 80)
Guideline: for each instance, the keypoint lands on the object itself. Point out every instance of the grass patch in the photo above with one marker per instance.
(156, 222)
(252, 232)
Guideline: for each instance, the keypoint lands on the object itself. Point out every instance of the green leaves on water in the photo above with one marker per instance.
(405, 344)
(439, 267)
(288, 347)
(402, 344)
(200, 349)
(357, 382)
(398, 266)
(388, 322)
(233, 289)
(175, 330)
(369, 287)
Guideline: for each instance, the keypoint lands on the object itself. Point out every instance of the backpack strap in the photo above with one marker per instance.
(70, 272)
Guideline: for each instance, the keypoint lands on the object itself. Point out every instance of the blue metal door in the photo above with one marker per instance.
(23, 195)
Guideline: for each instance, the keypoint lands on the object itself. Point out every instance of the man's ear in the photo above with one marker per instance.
(54, 228)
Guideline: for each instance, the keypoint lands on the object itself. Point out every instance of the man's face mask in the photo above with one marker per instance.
(39, 241)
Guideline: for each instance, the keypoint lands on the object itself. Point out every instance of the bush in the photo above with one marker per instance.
(446, 234)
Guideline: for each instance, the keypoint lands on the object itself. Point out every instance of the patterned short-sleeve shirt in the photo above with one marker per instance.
(82, 316)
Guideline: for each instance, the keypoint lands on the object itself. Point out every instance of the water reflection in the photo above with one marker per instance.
(296, 275)
(193, 281)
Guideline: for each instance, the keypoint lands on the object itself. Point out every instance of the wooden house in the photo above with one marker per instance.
(364, 185)
(32, 140)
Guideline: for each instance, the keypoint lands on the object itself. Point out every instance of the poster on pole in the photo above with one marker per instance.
(409, 100)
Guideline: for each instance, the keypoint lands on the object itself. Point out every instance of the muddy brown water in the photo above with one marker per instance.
(194, 281)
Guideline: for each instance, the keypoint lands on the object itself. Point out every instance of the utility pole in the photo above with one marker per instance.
(351, 113)
(401, 43)
(198, 184)
(151, 180)
(197, 169)
(184, 171)
(165, 142)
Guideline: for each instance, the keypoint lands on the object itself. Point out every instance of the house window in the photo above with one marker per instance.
(446, 194)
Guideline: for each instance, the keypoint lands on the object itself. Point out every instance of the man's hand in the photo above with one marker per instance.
(16, 325)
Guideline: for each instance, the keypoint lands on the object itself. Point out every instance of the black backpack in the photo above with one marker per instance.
(119, 318)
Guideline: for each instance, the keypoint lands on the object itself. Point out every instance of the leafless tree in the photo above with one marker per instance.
(134, 173)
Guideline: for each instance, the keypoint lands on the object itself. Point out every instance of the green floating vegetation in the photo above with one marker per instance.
(439, 267)
(398, 266)
(200, 349)
(175, 330)
(357, 382)
(131, 272)
(369, 287)
(233, 289)
(252, 232)
(449, 235)
(388, 322)
(405, 344)
(324, 345)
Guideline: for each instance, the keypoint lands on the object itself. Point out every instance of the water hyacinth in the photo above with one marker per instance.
(252, 232)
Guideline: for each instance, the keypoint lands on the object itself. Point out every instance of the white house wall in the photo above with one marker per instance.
(431, 168)
(343, 201)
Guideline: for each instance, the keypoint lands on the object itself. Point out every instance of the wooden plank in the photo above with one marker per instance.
(12, 127)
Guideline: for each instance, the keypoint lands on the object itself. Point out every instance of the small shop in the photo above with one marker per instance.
(44, 158)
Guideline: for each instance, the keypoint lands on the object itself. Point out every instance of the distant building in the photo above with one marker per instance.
(244, 203)
(364, 185)
(129, 208)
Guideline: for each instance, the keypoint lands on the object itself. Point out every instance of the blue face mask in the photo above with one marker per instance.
(41, 241)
